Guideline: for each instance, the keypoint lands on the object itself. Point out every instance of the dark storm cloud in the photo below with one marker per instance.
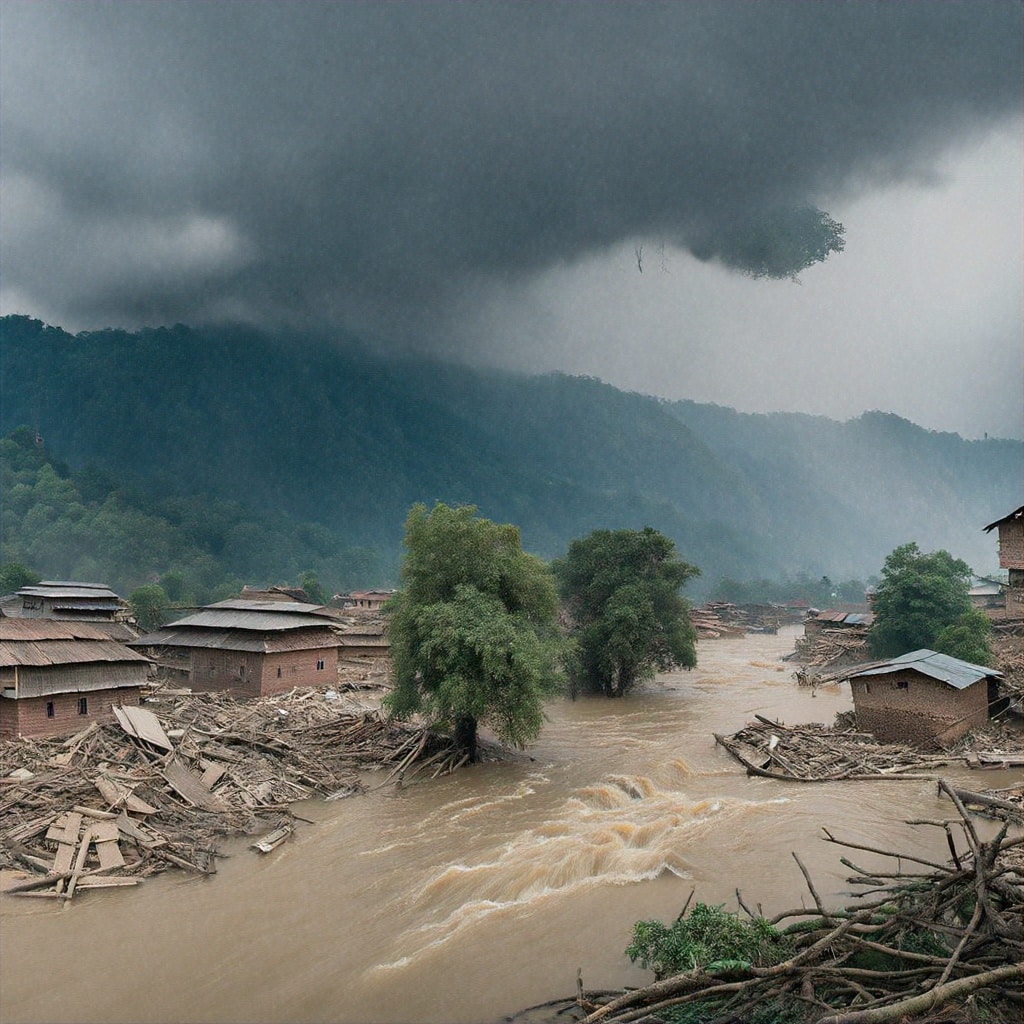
(369, 163)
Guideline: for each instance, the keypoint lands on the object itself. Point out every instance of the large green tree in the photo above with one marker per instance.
(621, 588)
(919, 596)
(473, 629)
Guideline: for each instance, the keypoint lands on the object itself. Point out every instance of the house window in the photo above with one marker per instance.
(867, 687)
(241, 671)
(902, 684)
(278, 671)
(319, 664)
(49, 709)
(83, 705)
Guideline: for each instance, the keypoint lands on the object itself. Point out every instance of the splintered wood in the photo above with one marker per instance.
(118, 802)
(817, 753)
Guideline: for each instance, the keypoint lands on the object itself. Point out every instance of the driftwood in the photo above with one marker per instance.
(188, 768)
(921, 941)
(817, 753)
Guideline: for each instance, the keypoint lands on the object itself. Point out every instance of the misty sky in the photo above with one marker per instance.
(592, 187)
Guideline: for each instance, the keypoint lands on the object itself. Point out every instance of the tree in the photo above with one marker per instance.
(149, 605)
(14, 576)
(473, 629)
(967, 638)
(621, 588)
(310, 583)
(919, 596)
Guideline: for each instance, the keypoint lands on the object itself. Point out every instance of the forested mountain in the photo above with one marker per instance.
(301, 434)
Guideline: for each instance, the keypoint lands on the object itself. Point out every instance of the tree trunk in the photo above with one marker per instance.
(465, 736)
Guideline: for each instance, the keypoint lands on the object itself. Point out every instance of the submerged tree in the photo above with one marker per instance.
(629, 619)
(472, 630)
(919, 596)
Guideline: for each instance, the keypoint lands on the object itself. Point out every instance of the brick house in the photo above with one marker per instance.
(251, 648)
(365, 600)
(72, 602)
(1011, 558)
(923, 698)
(58, 676)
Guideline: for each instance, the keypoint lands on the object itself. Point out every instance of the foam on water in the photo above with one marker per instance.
(623, 830)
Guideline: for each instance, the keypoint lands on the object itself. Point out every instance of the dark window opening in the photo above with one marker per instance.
(83, 705)
(319, 664)
(902, 684)
(49, 709)
(278, 671)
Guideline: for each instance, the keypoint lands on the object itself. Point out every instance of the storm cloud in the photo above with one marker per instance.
(372, 165)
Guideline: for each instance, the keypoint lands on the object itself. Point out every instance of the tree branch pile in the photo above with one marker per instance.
(818, 753)
(920, 936)
(222, 767)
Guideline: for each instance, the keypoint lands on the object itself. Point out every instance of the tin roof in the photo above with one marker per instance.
(256, 620)
(956, 673)
(43, 653)
(66, 588)
(1017, 515)
(50, 629)
(177, 635)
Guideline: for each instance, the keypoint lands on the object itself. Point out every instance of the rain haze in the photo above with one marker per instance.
(646, 193)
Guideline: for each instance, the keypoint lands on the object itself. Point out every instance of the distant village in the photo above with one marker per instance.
(70, 653)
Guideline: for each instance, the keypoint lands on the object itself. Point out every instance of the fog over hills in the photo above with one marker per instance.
(332, 435)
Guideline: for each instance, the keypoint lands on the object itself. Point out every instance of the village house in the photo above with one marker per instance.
(68, 601)
(251, 648)
(365, 600)
(831, 618)
(1011, 558)
(923, 697)
(58, 676)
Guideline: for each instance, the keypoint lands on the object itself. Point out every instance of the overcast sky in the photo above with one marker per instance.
(599, 188)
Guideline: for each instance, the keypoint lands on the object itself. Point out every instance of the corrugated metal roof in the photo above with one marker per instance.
(257, 621)
(956, 673)
(831, 616)
(1015, 515)
(239, 640)
(64, 652)
(289, 607)
(60, 588)
(50, 629)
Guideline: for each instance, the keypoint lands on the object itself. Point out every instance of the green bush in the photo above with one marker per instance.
(708, 938)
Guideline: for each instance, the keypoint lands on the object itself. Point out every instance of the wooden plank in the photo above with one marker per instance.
(110, 855)
(143, 725)
(118, 795)
(83, 852)
(212, 773)
(103, 882)
(190, 787)
(129, 828)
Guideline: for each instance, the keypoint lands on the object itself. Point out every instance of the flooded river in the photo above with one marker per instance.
(468, 898)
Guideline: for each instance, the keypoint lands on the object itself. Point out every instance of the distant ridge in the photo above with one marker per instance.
(331, 434)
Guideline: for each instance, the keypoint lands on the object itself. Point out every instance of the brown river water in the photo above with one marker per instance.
(473, 896)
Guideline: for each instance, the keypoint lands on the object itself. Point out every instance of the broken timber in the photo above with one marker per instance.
(816, 753)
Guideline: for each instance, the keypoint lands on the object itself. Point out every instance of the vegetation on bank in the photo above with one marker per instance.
(322, 434)
(924, 601)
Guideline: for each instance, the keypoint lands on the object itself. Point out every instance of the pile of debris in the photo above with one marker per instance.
(922, 935)
(118, 802)
(716, 619)
(829, 648)
(820, 753)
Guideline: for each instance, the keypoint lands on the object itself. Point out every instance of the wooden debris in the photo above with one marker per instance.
(817, 753)
(162, 785)
(915, 941)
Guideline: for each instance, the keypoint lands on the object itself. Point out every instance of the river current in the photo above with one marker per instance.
(467, 898)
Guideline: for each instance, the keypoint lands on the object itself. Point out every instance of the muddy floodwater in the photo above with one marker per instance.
(468, 898)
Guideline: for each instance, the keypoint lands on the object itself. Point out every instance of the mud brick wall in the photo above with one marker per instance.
(923, 712)
(29, 717)
(316, 666)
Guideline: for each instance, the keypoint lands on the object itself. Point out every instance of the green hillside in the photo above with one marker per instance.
(321, 439)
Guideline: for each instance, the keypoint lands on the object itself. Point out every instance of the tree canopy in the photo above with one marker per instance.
(919, 596)
(621, 588)
(473, 629)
